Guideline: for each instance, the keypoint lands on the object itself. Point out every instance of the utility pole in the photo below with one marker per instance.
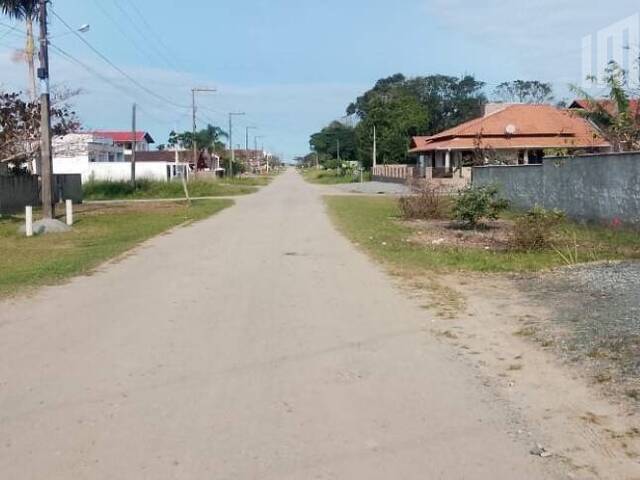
(133, 146)
(338, 141)
(246, 144)
(233, 152)
(375, 148)
(48, 208)
(255, 145)
(193, 137)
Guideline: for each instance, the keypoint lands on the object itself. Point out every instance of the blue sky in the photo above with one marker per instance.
(294, 65)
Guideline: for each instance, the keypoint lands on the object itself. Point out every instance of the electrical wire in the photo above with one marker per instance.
(115, 67)
(149, 41)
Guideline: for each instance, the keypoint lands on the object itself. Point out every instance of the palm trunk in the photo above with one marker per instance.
(30, 54)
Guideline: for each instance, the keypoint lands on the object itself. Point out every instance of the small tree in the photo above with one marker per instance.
(475, 204)
(619, 122)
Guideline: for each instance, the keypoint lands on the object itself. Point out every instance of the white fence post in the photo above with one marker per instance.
(29, 221)
(69, 205)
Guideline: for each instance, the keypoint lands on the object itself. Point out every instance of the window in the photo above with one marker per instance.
(112, 157)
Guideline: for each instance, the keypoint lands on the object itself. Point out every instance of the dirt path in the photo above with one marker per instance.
(258, 344)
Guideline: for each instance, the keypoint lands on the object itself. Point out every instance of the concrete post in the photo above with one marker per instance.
(69, 205)
(526, 157)
(28, 214)
(447, 160)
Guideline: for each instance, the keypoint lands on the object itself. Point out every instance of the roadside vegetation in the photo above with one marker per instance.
(99, 234)
(501, 241)
(329, 177)
(149, 189)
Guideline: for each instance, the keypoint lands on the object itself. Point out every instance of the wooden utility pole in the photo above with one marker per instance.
(233, 153)
(193, 131)
(133, 146)
(375, 148)
(46, 174)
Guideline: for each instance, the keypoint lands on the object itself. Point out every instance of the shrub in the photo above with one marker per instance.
(475, 204)
(427, 203)
(535, 229)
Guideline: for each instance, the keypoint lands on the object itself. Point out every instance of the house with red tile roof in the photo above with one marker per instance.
(508, 134)
(125, 139)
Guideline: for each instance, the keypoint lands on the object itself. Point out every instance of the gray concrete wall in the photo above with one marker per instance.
(16, 192)
(590, 188)
(522, 185)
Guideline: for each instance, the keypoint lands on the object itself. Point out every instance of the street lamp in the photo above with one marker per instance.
(82, 29)
(233, 152)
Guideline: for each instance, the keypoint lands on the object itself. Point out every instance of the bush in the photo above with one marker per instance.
(535, 229)
(426, 203)
(475, 204)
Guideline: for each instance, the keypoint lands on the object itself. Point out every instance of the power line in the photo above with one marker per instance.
(115, 67)
(102, 77)
(149, 41)
(119, 26)
(148, 26)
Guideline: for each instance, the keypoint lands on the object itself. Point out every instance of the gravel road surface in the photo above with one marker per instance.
(258, 344)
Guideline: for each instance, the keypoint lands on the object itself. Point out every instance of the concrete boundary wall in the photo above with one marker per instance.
(597, 188)
(16, 192)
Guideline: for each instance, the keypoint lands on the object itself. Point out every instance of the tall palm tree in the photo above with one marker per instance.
(26, 10)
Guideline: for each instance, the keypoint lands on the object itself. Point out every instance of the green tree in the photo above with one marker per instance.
(397, 116)
(618, 121)
(210, 139)
(524, 91)
(336, 135)
(402, 107)
(25, 10)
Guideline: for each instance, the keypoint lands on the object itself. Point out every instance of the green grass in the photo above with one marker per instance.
(100, 233)
(147, 189)
(374, 224)
(328, 177)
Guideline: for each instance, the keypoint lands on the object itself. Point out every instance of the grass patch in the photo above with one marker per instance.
(149, 189)
(375, 224)
(100, 233)
(329, 177)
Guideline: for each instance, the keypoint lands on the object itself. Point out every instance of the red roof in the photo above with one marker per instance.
(124, 136)
(517, 127)
(606, 104)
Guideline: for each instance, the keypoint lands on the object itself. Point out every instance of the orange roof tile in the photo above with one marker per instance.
(517, 126)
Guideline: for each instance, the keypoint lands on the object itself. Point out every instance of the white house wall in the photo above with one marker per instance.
(114, 171)
(118, 171)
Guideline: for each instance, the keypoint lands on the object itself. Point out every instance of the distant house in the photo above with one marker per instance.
(507, 134)
(608, 105)
(125, 139)
(98, 157)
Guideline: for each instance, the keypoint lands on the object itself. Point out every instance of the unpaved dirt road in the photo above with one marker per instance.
(258, 344)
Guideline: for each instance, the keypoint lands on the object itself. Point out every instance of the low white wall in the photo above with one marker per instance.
(114, 171)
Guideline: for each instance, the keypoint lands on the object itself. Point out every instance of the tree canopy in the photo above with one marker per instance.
(399, 108)
(209, 138)
(20, 125)
(618, 118)
(336, 135)
(524, 91)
